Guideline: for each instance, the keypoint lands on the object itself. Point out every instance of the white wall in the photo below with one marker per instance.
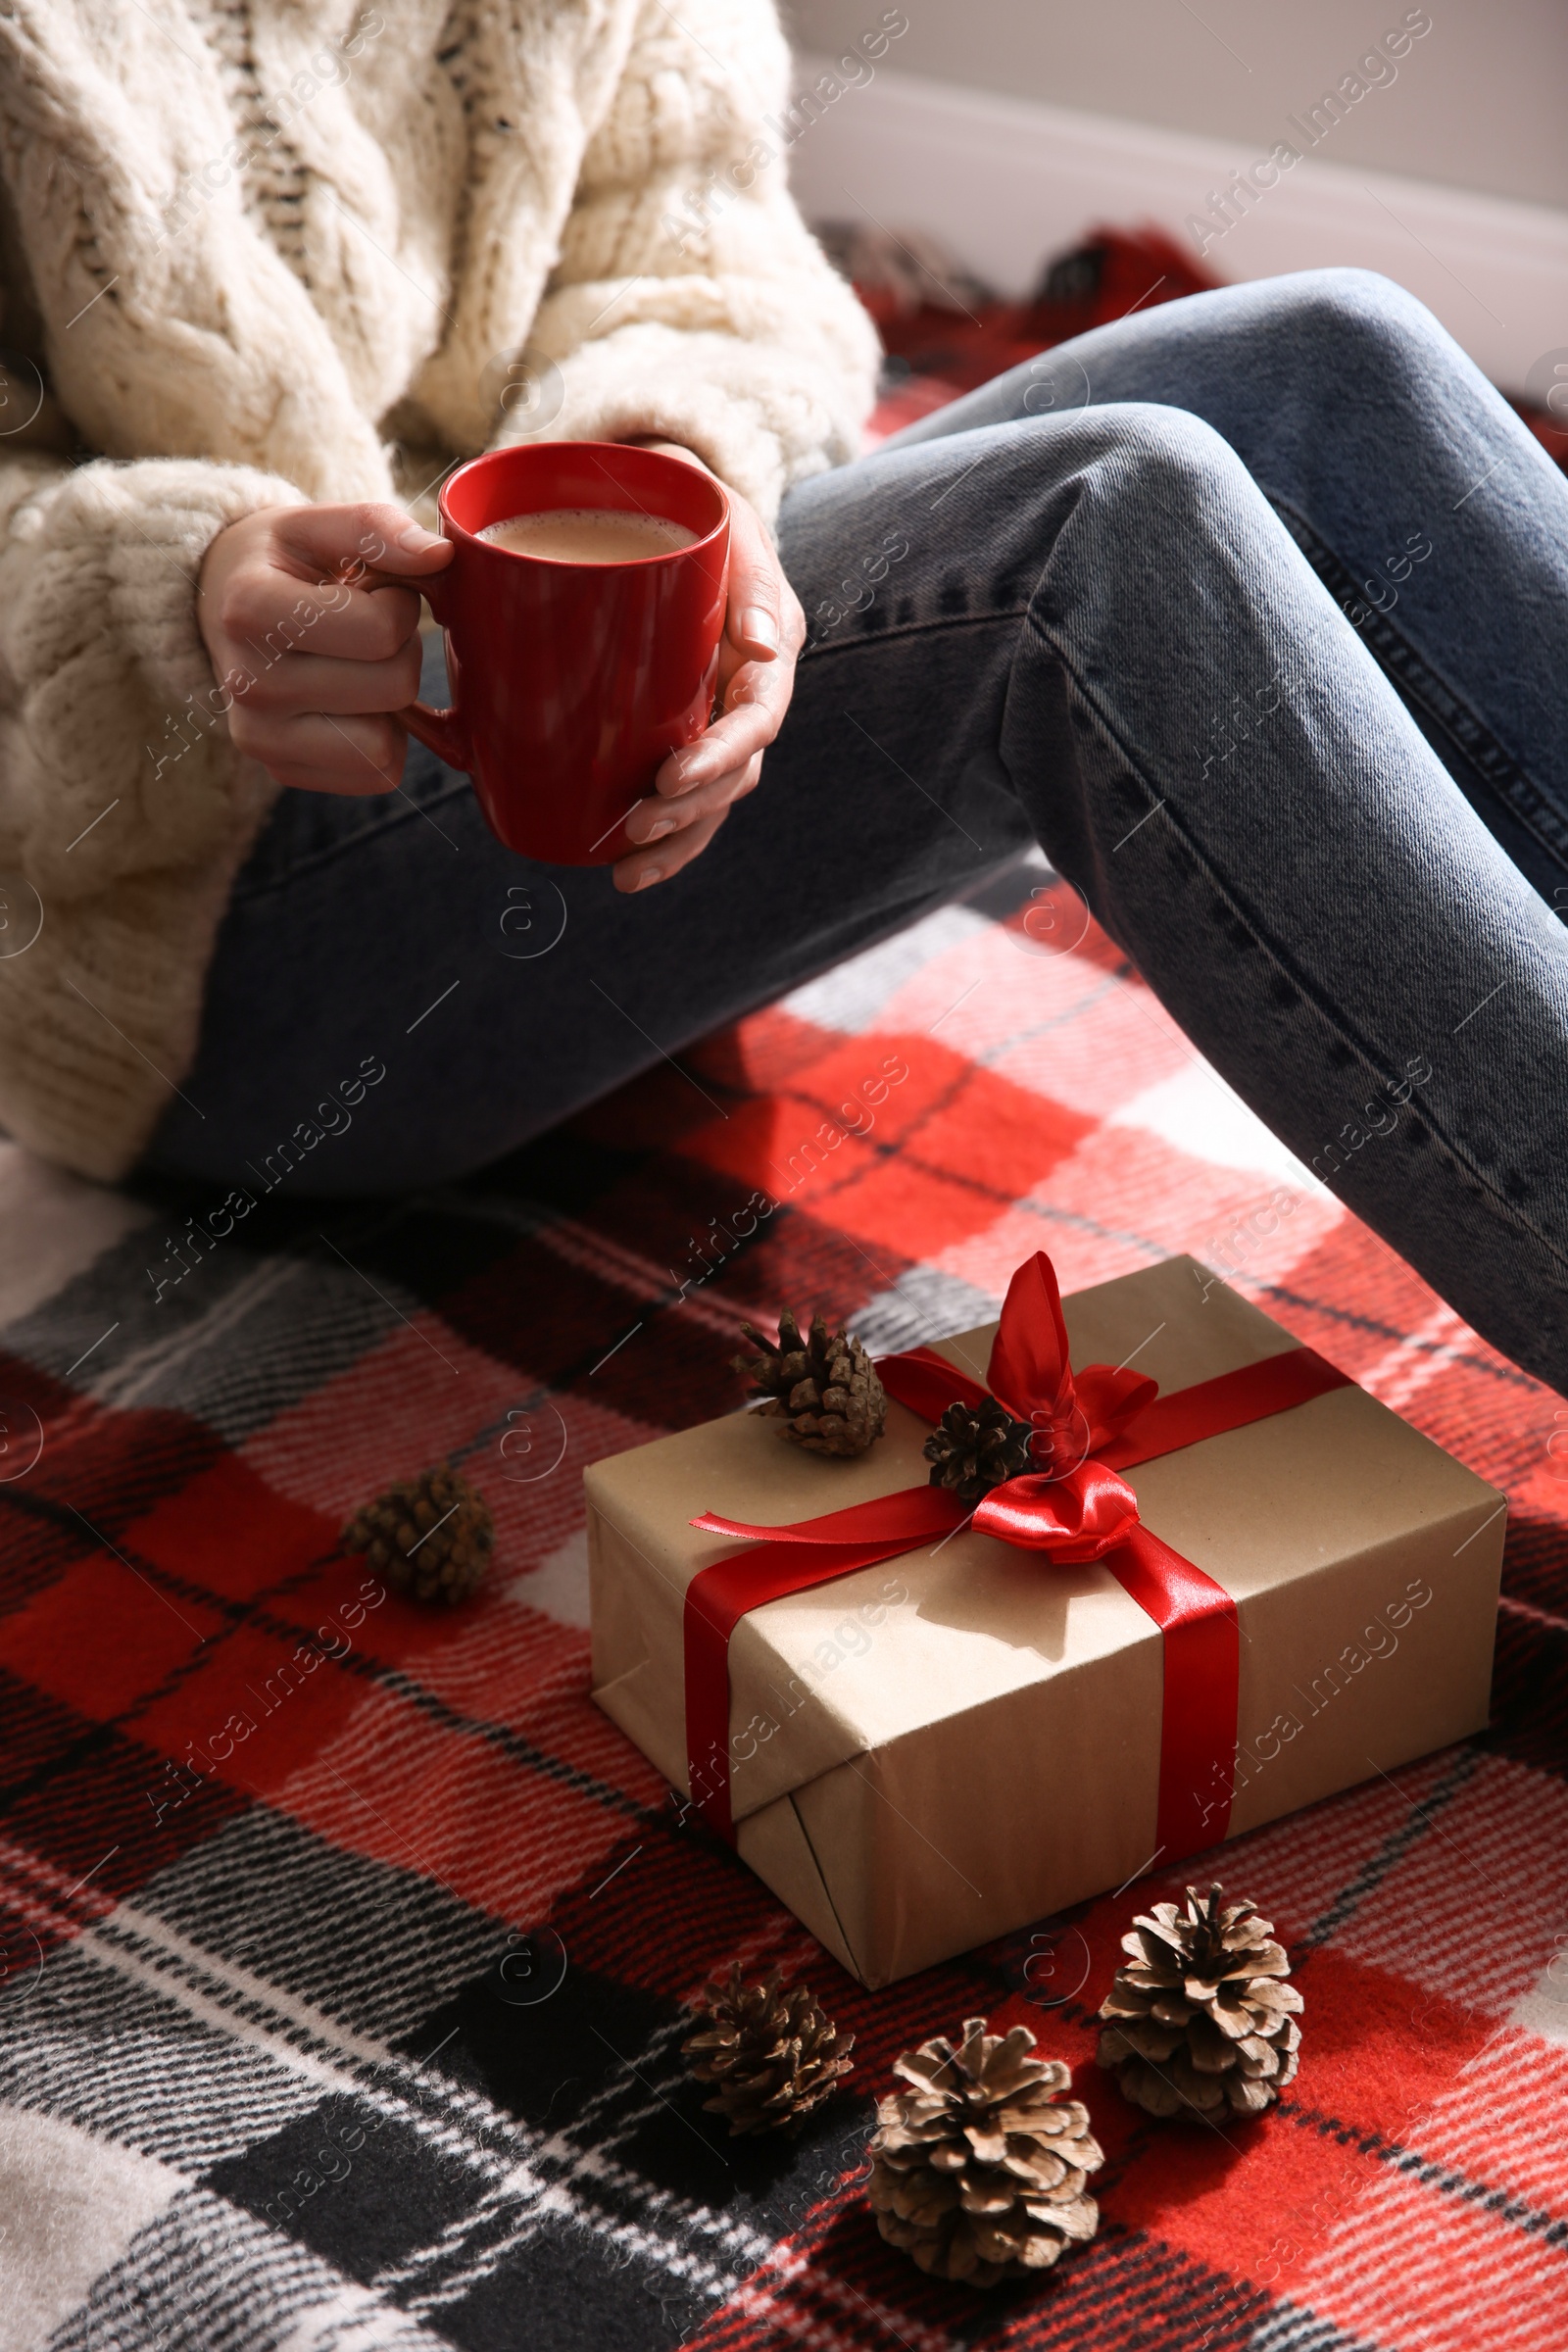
(1004, 181)
(1481, 101)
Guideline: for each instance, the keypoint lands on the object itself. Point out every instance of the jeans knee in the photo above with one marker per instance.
(1351, 320)
(1168, 457)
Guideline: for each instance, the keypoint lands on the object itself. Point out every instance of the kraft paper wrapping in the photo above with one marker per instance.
(956, 1743)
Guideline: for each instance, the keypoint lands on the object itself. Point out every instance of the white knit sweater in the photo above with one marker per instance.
(258, 251)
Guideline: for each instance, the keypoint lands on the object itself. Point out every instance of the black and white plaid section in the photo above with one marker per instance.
(352, 2131)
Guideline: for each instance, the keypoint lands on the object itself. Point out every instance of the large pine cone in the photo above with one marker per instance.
(430, 1537)
(1202, 2018)
(773, 2054)
(975, 1447)
(978, 2171)
(823, 1386)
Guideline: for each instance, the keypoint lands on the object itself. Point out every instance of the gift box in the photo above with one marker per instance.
(1229, 1582)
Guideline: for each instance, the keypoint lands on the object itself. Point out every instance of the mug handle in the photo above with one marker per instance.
(444, 732)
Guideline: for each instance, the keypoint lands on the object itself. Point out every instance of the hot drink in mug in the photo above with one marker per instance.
(583, 610)
(588, 535)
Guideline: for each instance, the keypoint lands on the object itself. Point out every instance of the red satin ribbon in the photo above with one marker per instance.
(1087, 1428)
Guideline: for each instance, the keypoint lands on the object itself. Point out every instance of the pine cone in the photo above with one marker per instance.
(973, 1449)
(824, 1387)
(1202, 2018)
(429, 1536)
(774, 2054)
(978, 2169)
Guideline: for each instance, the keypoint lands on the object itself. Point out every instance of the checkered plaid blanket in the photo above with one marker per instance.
(349, 1948)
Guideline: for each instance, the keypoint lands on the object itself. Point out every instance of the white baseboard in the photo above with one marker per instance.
(1004, 182)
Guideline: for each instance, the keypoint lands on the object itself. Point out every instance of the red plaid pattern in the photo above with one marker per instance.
(349, 1948)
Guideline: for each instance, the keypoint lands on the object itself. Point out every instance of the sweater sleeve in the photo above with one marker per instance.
(124, 809)
(689, 300)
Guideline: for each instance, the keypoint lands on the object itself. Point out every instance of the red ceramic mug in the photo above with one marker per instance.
(571, 683)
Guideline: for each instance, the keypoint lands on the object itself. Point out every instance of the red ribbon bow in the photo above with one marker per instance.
(1086, 1428)
(1074, 1506)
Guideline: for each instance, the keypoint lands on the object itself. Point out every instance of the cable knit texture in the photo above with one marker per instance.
(255, 252)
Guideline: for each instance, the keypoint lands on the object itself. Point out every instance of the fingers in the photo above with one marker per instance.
(648, 867)
(346, 542)
(657, 819)
(308, 682)
(353, 755)
(307, 630)
(696, 786)
(271, 613)
(752, 623)
(758, 621)
(351, 624)
(755, 697)
(747, 729)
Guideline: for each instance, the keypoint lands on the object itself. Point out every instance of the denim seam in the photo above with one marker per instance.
(315, 858)
(912, 629)
(1298, 980)
(1498, 768)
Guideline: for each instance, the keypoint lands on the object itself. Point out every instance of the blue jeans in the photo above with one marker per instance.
(1252, 610)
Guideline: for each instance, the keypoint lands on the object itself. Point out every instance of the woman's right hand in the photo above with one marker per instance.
(314, 639)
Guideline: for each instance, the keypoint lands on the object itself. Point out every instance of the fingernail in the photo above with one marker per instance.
(417, 539)
(666, 824)
(758, 626)
(649, 873)
(696, 771)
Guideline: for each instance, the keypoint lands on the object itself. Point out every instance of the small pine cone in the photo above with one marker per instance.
(979, 2171)
(973, 1449)
(823, 1386)
(430, 1537)
(1200, 2018)
(774, 2054)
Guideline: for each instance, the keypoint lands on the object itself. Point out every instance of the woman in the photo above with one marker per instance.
(1252, 610)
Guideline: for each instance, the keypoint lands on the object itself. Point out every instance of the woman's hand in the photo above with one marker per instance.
(698, 786)
(314, 642)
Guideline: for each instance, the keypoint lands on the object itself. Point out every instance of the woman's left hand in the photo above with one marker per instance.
(698, 786)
